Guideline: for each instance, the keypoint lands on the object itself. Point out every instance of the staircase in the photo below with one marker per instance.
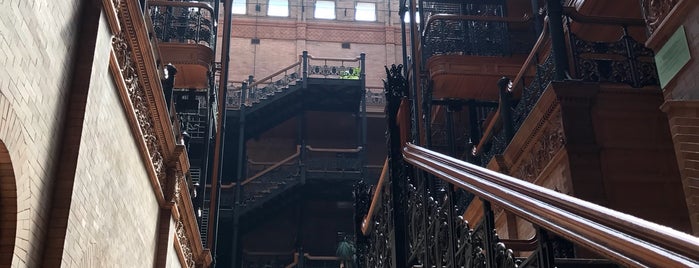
(264, 187)
(204, 225)
(310, 84)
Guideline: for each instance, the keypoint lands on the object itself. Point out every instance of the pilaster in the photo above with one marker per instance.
(683, 117)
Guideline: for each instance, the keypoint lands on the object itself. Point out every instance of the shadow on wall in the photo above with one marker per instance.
(8, 207)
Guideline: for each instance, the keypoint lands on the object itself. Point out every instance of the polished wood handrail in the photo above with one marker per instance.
(267, 170)
(525, 18)
(494, 122)
(180, 4)
(521, 244)
(582, 18)
(620, 237)
(610, 217)
(269, 77)
(375, 200)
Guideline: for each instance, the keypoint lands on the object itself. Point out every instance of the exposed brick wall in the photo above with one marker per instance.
(35, 54)
(113, 205)
(283, 39)
(684, 119)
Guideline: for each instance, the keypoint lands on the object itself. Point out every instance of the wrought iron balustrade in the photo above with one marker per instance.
(192, 113)
(472, 28)
(625, 61)
(334, 67)
(257, 91)
(333, 160)
(375, 97)
(183, 22)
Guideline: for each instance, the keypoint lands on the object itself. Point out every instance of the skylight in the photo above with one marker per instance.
(278, 8)
(365, 12)
(325, 10)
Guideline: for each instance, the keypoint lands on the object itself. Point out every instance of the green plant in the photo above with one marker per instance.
(352, 73)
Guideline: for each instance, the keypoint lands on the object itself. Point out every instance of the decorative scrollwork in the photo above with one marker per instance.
(395, 85)
(655, 11)
(624, 61)
(552, 140)
(469, 37)
(185, 244)
(183, 24)
(530, 95)
(138, 99)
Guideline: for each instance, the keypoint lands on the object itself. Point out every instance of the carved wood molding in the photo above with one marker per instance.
(539, 138)
(133, 65)
(662, 19)
(550, 142)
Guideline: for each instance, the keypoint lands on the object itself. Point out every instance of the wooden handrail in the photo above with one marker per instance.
(267, 170)
(525, 18)
(495, 121)
(334, 150)
(620, 237)
(375, 200)
(269, 77)
(521, 245)
(618, 220)
(578, 17)
(355, 59)
(180, 4)
(310, 257)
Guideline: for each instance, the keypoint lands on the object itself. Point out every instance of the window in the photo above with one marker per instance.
(365, 12)
(239, 7)
(325, 10)
(278, 8)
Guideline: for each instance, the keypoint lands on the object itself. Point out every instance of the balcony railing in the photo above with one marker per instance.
(183, 22)
(258, 90)
(625, 61)
(479, 29)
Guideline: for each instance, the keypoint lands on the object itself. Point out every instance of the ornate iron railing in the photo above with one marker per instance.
(625, 61)
(375, 96)
(334, 67)
(333, 160)
(257, 91)
(472, 28)
(183, 22)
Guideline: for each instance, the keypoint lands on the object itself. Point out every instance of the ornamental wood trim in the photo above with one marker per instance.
(143, 52)
(134, 126)
(135, 70)
(538, 140)
(663, 18)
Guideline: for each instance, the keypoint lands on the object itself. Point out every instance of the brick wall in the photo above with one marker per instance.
(283, 39)
(35, 55)
(113, 205)
(682, 109)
